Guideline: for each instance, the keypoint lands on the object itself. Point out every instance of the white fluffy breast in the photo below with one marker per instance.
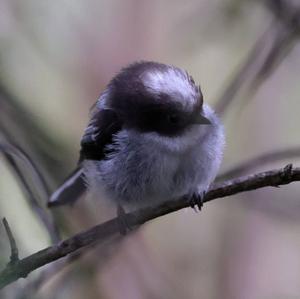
(144, 167)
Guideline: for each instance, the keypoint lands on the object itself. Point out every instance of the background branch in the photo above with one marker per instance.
(14, 257)
(266, 54)
(10, 152)
(40, 140)
(263, 159)
(102, 232)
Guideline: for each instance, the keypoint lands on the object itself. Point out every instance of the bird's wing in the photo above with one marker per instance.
(70, 190)
(103, 125)
(98, 135)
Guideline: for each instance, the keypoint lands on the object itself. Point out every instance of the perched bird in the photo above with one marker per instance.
(150, 139)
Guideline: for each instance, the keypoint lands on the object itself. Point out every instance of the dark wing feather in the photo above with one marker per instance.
(99, 133)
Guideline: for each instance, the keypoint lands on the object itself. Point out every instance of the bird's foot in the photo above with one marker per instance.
(197, 201)
(124, 226)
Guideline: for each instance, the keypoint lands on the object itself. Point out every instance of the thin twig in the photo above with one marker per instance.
(102, 232)
(14, 256)
(9, 151)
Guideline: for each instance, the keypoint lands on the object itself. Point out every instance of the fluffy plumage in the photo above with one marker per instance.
(148, 139)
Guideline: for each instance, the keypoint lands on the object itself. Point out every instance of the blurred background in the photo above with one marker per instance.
(55, 59)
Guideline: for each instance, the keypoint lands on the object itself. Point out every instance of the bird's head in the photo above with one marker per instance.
(154, 97)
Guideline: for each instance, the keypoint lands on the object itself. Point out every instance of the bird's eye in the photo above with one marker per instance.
(173, 119)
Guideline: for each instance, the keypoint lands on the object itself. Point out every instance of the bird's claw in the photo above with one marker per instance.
(197, 201)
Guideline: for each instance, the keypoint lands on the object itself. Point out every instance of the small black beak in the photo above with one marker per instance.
(201, 120)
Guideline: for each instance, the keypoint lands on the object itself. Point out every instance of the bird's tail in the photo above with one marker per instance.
(70, 190)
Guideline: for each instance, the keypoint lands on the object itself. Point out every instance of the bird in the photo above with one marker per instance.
(150, 139)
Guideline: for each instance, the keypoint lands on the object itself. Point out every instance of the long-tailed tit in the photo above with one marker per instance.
(150, 139)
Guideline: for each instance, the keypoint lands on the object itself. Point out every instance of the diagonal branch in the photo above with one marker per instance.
(266, 54)
(106, 230)
(246, 71)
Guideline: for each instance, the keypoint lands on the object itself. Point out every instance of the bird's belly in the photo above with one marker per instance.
(136, 177)
(144, 176)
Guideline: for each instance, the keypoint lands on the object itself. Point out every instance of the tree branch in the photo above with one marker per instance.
(14, 256)
(104, 231)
